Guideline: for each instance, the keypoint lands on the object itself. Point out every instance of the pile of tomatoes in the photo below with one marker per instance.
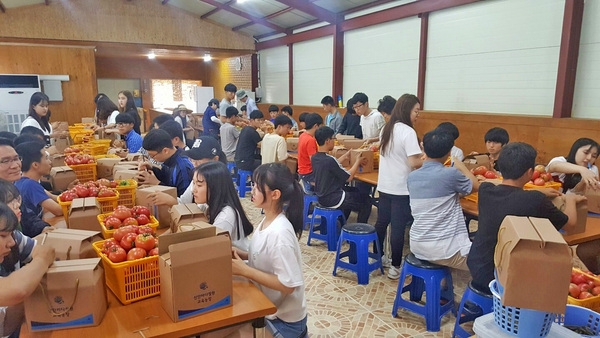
(75, 159)
(583, 286)
(131, 242)
(484, 171)
(88, 189)
(540, 176)
(123, 216)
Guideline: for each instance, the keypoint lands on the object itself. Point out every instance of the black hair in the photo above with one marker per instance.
(125, 118)
(221, 193)
(160, 119)
(302, 117)
(157, 140)
(231, 111)
(282, 120)
(97, 97)
(27, 138)
(277, 176)
(230, 87)
(256, 114)
(173, 129)
(273, 108)
(497, 134)
(328, 100)
(30, 153)
(323, 134)
(386, 105)
(9, 223)
(400, 114)
(12, 136)
(287, 109)
(349, 106)
(31, 130)
(105, 107)
(360, 97)
(243, 108)
(437, 143)
(312, 120)
(6, 142)
(571, 180)
(449, 127)
(37, 98)
(515, 159)
(130, 104)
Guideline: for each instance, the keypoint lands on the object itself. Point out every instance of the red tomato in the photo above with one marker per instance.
(141, 210)
(122, 213)
(93, 191)
(546, 177)
(117, 254)
(574, 290)
(81, 191)
(103, 192)
(585, 295)
(145, 241)
(122, 231)
(136, 253)
(596, 291)
(539, 181)
(130, 221)
(108, 244)
(584, 287)
(481, 170)
(490, 174)
(578, 278)
(142, 219)
(153, 252)
(536, 174)
(67, 196)
(111, 222)
(128, 241)
(144, 229)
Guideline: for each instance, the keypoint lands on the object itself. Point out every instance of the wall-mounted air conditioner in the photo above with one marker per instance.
(15, 92)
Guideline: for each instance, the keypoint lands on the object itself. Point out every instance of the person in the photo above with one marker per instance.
(38, 116)
(307, 147)
(495, 139)
(176, 169)
(274, 147)
(175, 132)
(274, 257)
(127, 105)
(399, 154)
(230, 90)
(107, 113)
(371, 121)
(351, 122)
(334, 118)
(246, 150)
(449, 127)
(210, 121)
(213, 187)
(160, 119)
(180, 116)
(229, 133)
(11, 136)
(288, 111)
(244, 111)
(35, 164)
(10, 161)
(516, 161)
(438, 233)
(273, 112)
(23, 264)
(125, 124)
(577, 171)
(385, 107)
(331, 178)
(302, 121)
(248, 101)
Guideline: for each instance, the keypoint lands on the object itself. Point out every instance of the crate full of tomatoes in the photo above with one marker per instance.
(107, 197)
(584, 290)
(542, 179)
(123, 216)
(130, 262)
(84, 166)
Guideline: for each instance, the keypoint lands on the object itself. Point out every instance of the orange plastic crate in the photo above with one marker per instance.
(131, 281)
(127, 192)
(592, 303)
(474, 197)
(85, 172)
(551, 184)
(106, 233)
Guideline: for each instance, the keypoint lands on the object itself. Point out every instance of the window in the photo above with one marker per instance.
(171, 93)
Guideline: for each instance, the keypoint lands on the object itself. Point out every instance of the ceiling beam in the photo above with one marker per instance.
(307, 7)
(365, 6)
(2, 8)
(164, 2)
(245, 15)
(290, 39)
(306, 24)
(211, 12)
(270, 16)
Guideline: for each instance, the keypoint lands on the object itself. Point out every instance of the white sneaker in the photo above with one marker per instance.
(393, 272)
(385, 261)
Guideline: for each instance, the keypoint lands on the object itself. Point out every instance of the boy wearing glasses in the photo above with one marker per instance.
(125, 126)
(371, 120)
(10, 162)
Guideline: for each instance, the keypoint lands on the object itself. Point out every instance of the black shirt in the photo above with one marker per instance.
(496, 202)
(330, 178)
(351, 126)
(246, 146)
(177, 171)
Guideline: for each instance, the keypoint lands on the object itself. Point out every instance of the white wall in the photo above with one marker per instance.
(494, 56)
(382, 60)
(274, 75)
(313, 71)
(112, 87)
(586, 101)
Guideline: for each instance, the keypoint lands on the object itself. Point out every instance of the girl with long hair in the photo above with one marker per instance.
(39, 116)
(127, 105)
(578, 167)
(106, 113)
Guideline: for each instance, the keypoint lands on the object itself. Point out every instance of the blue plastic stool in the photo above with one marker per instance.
(426, 277)
(359, 235)
(242, 187)
(484, 304)
(327, 229)
(308, 200)
(231, 168)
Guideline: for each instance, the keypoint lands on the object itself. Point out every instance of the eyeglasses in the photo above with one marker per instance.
(356, 106)
(7, 161)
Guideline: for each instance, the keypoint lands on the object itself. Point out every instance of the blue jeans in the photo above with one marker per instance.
(281, 329)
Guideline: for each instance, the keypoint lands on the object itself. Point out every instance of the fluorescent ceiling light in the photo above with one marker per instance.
(207, 57)
(151, 55)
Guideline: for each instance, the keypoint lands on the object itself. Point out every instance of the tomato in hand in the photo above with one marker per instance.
(136, 253)
(117, 254)
(539, 182)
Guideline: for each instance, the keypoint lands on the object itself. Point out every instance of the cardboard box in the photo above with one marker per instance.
(88, 120)
(185, 213)
(593, 200)
(61, 144)
(474, 161)
(134, 157)
(533, 262)
(71, 294)
(123, 167)
(61, 177)
(183, 294)
(161, 212)
(58, 160)
(337, 152)
(344, 137)
(82, 214)
(71, 243)
(60, 126)
(352, 143)
(582, 211)
(368, 154)
(292, 143)
(105, 167)
(125, 175)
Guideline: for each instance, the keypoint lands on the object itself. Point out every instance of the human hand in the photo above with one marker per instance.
(358, 158)
(147, 177)
(45, 253)
(589, 178)
(237, 264)
(144, 166)
(72, 184)
(575, 198)
(162, 198)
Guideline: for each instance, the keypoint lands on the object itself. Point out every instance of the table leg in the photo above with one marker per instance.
(259, 326)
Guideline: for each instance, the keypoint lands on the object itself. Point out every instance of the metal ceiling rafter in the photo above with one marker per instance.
(213, 11)
(308, 7)
(270, 16)
(245, 15)
(365, 6)
(2, 8)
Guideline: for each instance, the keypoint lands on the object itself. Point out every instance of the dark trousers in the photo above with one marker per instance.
(248, 165)
(356, 201)
(394, 209)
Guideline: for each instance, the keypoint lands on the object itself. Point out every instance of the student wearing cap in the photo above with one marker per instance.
(230, 90)
(176, 169)
(248, 101)
(174, 130)
(180, 114)
(229, 133)
(125, 125)
(274, 147)
(210, 122)
(246, 151)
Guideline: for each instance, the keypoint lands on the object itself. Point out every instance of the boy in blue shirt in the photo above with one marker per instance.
(210, 122)
(125, 126)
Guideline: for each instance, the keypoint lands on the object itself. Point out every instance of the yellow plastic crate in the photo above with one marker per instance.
(97, 157)
(81, 135)
(85, 172)
(474, 197)
(93, 149)
(107, 205)
(552, 184)
(592, 303)
(65, 208)
(130, 281)
(127, 192)
(107, 233)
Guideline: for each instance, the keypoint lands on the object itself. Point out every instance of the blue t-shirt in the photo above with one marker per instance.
(134, 141)
(210, 127)
(32, 195)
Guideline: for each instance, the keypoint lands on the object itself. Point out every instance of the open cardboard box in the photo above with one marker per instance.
(474, 161)
(71, 294)
(83, 214)
(368, 154)
(352, 143)
(71, 243)
(344, 137)
(185, 213)
(124, 167)
(184, 294)
(105, 166)
(58, 160)
(161, 212)
(533, 263)
(61, 177)
(292, 143)
(582, 211)
(337, 152)
(593, 200)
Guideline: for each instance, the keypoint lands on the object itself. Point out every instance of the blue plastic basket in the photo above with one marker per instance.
(580, 316)
(520, 322)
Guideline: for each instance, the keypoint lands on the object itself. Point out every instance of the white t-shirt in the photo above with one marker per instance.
(273, 148)
(561, 176)
(275, 250)
(457, 152)
(393, 164)
(31, 122)
(112, 119)
(372, 124)
(226, 221)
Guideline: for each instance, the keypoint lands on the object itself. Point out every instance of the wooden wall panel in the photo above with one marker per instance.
(125, 68)
(78, 63)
